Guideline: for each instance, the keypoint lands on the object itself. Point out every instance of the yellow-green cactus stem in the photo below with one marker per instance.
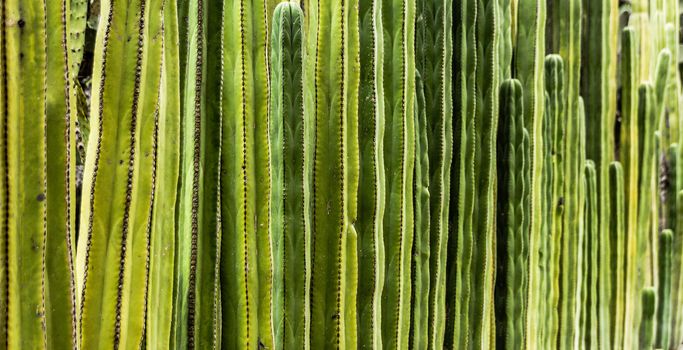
(618, 250)
(334, 56)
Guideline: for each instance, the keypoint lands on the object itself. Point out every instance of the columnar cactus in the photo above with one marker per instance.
(114, 244)
(664, 289)
(290, 209)
(618, 257)
(513, 157)
(334, 110)
(591, 260)
(463, 190)
(244, 177)
(372, 186)
(647, 326)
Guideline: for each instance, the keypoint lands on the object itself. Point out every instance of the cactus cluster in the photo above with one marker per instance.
(340, 174)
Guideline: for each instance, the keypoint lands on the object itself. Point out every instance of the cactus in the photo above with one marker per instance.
(434, 47)
(513, 158)
(664, 289)
(291, 234)
(419, 313)
(335, 172)
(618, 250)
(372, 190)
(647, 326)
(163, 236)
(529, 53)
(460, 249)
(592, 264)
(113, 253)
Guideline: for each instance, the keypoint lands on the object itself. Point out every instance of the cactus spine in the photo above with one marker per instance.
(291, 234)
(513, 158)
(371, 195)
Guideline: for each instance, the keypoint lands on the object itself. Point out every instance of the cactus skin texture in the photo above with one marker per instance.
(113, 254)
(291, 234)
(618, 250)
(371, 195)
(463, 190)
(511, 265)
(335, 59)
(664, 289)
(399, 156)
(648, 323)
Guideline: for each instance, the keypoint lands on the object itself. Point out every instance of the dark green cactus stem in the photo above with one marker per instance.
(419, 314)
(334, 108)
(648, 323)
(511, 264)
(399, 143)
(290, 219)
(113, 254)
(555, 113)
(371, 195)
(463, 190)
(646, 127)
(158, 328)
(545, 242)
(435, 52)
(664, 289)
(629, 157)
(245, 181)
(529, 55)
(618, 247)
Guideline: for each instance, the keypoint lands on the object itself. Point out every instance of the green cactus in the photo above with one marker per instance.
(114, 244)
(648, 324)
(629, 157)
(646, 128)
(372, 190)
(419, 314)
(334, 109)
(591, 260)
(513, 156)
(555, 113)
(529, 56)
(290, 219)
(246, 236)
(163, 237)
(618, 257)
(463, 177)
(664, 289)
(434, 46)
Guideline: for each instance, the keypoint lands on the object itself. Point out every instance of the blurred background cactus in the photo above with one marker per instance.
(341, 174)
